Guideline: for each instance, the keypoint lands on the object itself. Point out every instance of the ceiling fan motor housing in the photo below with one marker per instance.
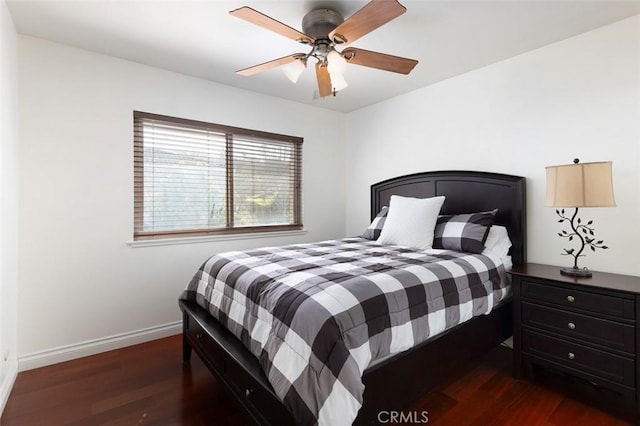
(320, 22)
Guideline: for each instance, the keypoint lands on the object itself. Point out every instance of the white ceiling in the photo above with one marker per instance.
(201, 39)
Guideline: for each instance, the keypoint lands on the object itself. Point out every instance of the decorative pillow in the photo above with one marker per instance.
(411, 221)
(463, 232)
(498, 241)
(373, 231)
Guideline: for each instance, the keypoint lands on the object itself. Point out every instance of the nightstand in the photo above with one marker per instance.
(584, 327)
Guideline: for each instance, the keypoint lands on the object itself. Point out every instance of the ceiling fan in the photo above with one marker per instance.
(324, 30)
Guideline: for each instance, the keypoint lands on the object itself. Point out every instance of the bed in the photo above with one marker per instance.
(393, 383)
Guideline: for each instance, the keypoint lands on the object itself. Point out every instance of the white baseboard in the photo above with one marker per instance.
(7, 383)
(92, 347)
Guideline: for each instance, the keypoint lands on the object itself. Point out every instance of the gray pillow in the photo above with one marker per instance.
(374, 229)
(463, 232)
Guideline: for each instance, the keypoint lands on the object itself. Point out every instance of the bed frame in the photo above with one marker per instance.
(394, 384)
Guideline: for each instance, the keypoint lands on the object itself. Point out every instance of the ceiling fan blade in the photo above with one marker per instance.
(324, 80)
(264, 21)
(378, 60)
(373, 15)
(271, 64)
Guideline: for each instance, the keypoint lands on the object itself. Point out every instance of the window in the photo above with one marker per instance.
(196, 178)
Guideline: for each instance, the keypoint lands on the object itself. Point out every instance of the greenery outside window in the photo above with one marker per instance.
(195, 178)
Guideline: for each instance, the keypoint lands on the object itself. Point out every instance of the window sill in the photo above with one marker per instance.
(212, 238)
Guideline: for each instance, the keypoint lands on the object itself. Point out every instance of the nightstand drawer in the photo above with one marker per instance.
(582, 358)
(609, 334)
(578, 299)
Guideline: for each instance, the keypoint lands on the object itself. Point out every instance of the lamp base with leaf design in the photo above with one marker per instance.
(584, 233)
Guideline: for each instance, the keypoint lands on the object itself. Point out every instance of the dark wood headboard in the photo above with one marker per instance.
(466, 192)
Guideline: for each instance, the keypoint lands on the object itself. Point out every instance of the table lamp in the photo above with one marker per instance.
(579, 185)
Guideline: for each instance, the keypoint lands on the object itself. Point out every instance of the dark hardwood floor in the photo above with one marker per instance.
(149, 385)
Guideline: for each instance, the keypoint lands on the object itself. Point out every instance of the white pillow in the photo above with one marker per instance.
(498, 241)
(411, 221)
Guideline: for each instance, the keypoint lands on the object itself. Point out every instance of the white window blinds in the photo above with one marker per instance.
(195, 178)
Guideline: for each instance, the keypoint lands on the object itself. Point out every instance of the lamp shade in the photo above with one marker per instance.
(580, 185)
(338, 83)
(337, 64)
(294, 69)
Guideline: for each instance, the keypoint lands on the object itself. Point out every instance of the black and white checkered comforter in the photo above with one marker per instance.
(316, 315)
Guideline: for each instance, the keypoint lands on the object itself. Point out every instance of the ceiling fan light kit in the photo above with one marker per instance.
(324, 29)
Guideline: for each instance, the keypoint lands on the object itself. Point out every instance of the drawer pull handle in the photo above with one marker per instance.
(199, 336)
(571, 355)
(248, 392)
(571, 299)
(571, 326)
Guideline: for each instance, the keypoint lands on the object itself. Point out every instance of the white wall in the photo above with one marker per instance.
(576, 98)
(80, 283)
(8, 202)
